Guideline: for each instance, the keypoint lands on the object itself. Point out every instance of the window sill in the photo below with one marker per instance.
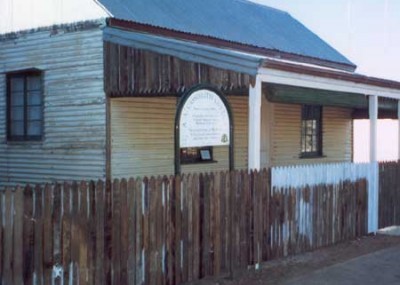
(307, 156)
(23, 143)
(199, 162)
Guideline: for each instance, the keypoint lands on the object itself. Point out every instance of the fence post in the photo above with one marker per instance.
(18, 232)
(373, 198)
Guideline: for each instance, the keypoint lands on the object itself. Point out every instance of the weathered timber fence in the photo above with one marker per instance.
(300, 176)
(389, 194)
(168, 230)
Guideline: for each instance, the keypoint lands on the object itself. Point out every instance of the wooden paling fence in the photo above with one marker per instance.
(167, 230)
(389, 194)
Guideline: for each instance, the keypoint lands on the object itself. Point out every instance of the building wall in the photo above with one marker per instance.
(142, 137)
(73, 146)
(284, 135)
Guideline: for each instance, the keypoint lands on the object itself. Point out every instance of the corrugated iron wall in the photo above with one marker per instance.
(285, 136)
(142, 137)
(73, 147)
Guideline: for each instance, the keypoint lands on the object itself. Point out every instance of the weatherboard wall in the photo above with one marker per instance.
(142, 137)
(73, 144)
(285, 135)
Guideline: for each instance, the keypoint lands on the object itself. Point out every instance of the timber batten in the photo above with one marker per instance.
(133, 72)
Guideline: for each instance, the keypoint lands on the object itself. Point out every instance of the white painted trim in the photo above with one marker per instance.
(300, 176)
(373, 126)
(269, 75)
(254, 125)
(398, 118)
(109, 14)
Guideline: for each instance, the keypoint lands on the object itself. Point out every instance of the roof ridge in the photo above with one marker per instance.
(70, 27)
(251, 2)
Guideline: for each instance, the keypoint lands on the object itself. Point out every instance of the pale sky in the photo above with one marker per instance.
(367, 32)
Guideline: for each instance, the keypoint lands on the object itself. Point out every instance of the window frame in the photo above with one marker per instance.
(313, 115)
(198, 158)
(25, 74)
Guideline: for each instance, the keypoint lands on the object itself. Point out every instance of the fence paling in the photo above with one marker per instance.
(389, 195)
(168, 230)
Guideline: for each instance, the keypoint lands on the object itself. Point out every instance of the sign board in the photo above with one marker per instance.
(204, 120)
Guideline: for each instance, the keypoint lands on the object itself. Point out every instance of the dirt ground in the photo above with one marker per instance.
(278, 271)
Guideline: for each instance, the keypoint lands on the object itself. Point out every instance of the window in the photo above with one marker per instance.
(24, 106)
(311, 131)
(196, 154)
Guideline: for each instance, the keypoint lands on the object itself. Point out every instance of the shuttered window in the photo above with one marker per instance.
(25, 106)
(311, 131)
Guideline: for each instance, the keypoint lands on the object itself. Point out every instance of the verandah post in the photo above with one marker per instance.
(373, 195)
(255, 92)
(398, 120)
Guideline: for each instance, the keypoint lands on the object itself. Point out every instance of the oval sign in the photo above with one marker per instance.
(204, 120)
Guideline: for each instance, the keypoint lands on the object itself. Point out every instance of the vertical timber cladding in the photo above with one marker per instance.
(135, 72)
(144, 87)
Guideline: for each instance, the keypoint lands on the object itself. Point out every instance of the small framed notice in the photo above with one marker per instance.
(205, 154)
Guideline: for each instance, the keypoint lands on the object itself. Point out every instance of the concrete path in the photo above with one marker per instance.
(378, 268)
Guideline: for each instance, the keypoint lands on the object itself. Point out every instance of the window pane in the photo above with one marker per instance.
(34, 98)
(17, 113)
(34, 128)
(310, 132)
(33, 83)
(17, 99)
(17, 128)
(17, 84)
(34, 113)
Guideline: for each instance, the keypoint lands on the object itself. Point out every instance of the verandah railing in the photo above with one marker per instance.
(168, 230)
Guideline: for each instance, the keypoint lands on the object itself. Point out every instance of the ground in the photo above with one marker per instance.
(283, 270)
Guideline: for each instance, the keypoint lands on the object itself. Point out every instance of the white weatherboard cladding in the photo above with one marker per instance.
(204, 120)
(312, 175)
(73, 147)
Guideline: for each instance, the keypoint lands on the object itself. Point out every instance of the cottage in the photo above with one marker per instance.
(104, 98)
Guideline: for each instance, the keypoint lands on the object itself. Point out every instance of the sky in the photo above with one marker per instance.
(367, 32)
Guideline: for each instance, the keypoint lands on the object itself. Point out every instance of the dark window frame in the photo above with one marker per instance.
(311, 115)
(24, 74)
(193, 158)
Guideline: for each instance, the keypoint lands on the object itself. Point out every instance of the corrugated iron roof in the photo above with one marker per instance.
(238, 21)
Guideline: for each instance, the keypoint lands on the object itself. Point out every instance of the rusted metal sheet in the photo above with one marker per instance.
(73, 144)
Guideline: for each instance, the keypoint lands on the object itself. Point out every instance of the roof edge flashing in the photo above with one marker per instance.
(186, 50)
(66, 27)
(221, 43)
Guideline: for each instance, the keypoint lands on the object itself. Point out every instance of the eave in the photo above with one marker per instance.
(292, 74)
